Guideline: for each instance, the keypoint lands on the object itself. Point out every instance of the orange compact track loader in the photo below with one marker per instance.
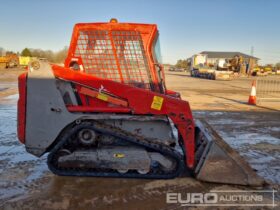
(108, 113)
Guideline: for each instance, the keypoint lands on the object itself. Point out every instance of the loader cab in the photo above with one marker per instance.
(123, 52)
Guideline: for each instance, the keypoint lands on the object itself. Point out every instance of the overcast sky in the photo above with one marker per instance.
(186, 27)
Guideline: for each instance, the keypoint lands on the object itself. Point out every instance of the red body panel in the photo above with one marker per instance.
(21, 114)
(140, 102)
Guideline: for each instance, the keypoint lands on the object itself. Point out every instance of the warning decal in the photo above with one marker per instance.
(102, 97)
(157, 103)
(119, 155)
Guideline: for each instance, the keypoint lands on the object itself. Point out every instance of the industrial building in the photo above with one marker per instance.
(215, 56)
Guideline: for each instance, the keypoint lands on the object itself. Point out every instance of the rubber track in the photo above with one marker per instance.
(153, 144)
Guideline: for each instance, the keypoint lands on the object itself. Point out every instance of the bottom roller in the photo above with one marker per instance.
(218, 162)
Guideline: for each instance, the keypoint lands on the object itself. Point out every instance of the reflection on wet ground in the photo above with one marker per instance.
(3, 88)
(7, 84)
(26, 183)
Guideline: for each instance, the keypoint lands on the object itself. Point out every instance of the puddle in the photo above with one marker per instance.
(2, 89)
(18, 168)
(12, 97)
(10, 100)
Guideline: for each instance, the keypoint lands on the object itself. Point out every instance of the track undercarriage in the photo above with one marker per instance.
(92, 148)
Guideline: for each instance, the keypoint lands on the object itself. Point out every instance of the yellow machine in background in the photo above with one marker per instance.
(262, 70)
(268, 68)
(24, 60)
(13, 60)
(9, 61)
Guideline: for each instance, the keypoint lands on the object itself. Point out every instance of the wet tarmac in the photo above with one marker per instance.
(26, 182)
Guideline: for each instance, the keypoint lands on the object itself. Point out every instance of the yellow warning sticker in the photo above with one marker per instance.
(157, 103)
(102, 97)
(119, 155)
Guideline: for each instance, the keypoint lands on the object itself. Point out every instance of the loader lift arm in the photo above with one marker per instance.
(139, 102)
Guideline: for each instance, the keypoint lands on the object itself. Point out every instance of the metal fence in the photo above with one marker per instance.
(268, 89)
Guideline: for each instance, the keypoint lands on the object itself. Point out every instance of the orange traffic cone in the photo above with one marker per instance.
(253, 98)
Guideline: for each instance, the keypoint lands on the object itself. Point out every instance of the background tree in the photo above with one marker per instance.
(26, 52)
(182, 64)
(2, 51)
(61, 55)
(51, 56)
(54, 57)
(277, 65)
(10, 52)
